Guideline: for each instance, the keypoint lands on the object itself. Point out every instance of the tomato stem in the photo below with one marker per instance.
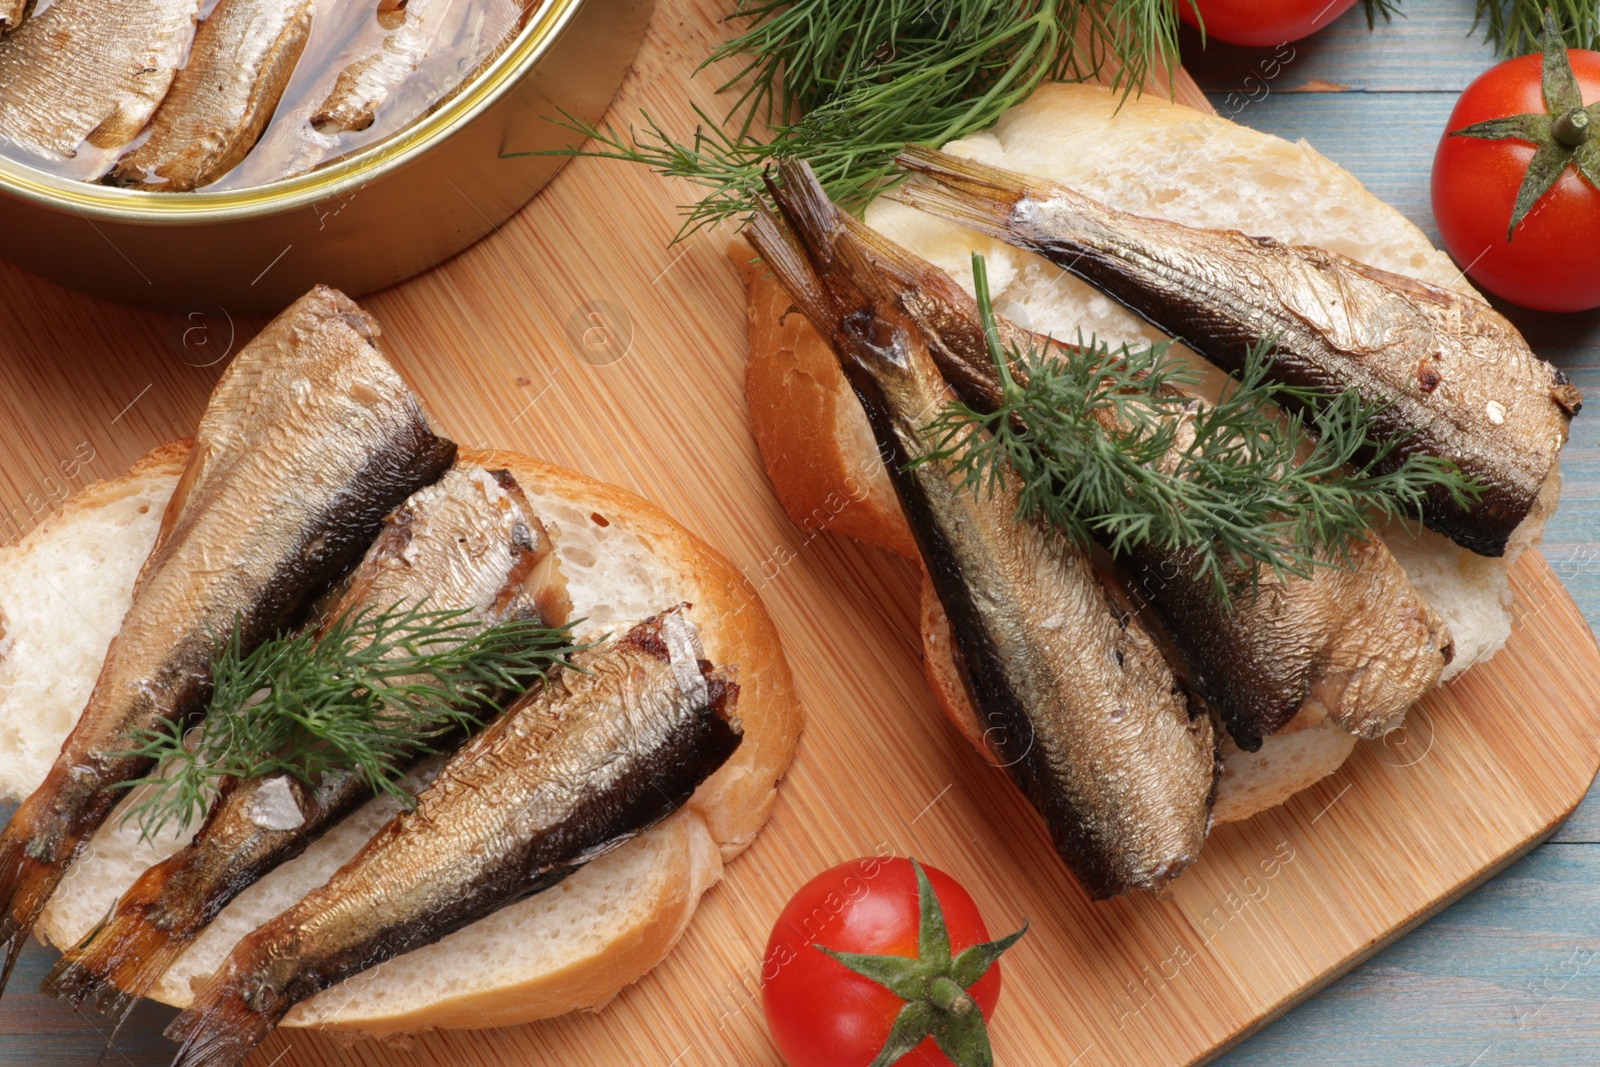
(1572, 128)
(949, 997)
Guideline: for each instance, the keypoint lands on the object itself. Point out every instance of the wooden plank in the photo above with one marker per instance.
(1429, 48)
(41, 1031)
(495, 340)
(1485, 982)
(1509, 977)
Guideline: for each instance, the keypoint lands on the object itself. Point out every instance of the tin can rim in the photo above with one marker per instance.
(107, 203)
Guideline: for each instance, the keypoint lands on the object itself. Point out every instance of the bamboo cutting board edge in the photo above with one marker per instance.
(488, 338)
(1356, 959)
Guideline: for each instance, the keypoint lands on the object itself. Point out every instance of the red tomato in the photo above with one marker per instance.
(1552, 262)
(820, 1013)
(1261, 23)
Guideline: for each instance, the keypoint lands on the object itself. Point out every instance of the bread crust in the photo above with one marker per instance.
(684, 862)
(163, 460)
(944, 678)
(684, 855)
(811, 433)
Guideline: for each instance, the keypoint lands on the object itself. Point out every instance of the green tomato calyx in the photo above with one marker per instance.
(1559, 135)
(934, 986)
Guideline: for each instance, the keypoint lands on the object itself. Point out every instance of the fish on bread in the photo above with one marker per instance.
(603, 752)
(1446, 374)
(1354, 639)
(469, 543)
(1080, 706)
(310, 438)
(1155, 158)
(618, 558)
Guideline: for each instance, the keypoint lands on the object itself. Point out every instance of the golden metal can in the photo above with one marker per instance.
(367, 221)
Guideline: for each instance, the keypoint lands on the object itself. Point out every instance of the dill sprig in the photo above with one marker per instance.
(1517, 26)
(368, 695)
(1099, 445)
(846, 84)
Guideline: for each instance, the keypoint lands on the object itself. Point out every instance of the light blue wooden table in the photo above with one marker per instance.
(1510, 976)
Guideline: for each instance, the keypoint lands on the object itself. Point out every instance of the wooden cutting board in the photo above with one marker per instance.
(576, 333)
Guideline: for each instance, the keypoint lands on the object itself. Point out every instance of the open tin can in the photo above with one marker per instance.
(367, 221)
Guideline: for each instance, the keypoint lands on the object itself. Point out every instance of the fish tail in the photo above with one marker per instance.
(816, 254)
(793, 261)
(219, 1029)
(978, 196)
(25, 888)
(120, 961)
(906, 269)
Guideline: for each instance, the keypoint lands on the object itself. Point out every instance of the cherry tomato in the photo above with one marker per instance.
(819, 1012)
(1261, 23)
(1552, 260)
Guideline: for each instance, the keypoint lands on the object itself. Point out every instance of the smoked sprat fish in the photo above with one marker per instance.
(365, 85)
(570, 772)
(90, 70)
(309, 440)
(243, 55)
(1354, 641)
(470, 543)
(1452, 377)
(1079, 704)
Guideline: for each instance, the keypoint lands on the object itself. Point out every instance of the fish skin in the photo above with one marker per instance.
(1356, 642)
(309, 440)
(366, 84)
(241, 60)
(13, 13)
(90, 70)
(564, 776)
(470, 542)
(1459, 380)
(1082, 709)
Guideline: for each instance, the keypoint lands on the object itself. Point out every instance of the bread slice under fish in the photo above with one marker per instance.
(65, 587)
(1160, 159)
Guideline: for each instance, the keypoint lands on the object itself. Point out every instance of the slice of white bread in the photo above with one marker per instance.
(1160, 159)
(63, 591)
(573, 946)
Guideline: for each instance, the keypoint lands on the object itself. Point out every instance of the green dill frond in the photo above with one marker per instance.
(846, 84)
(371, 693)
(1108, 446)
(1516, 27)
